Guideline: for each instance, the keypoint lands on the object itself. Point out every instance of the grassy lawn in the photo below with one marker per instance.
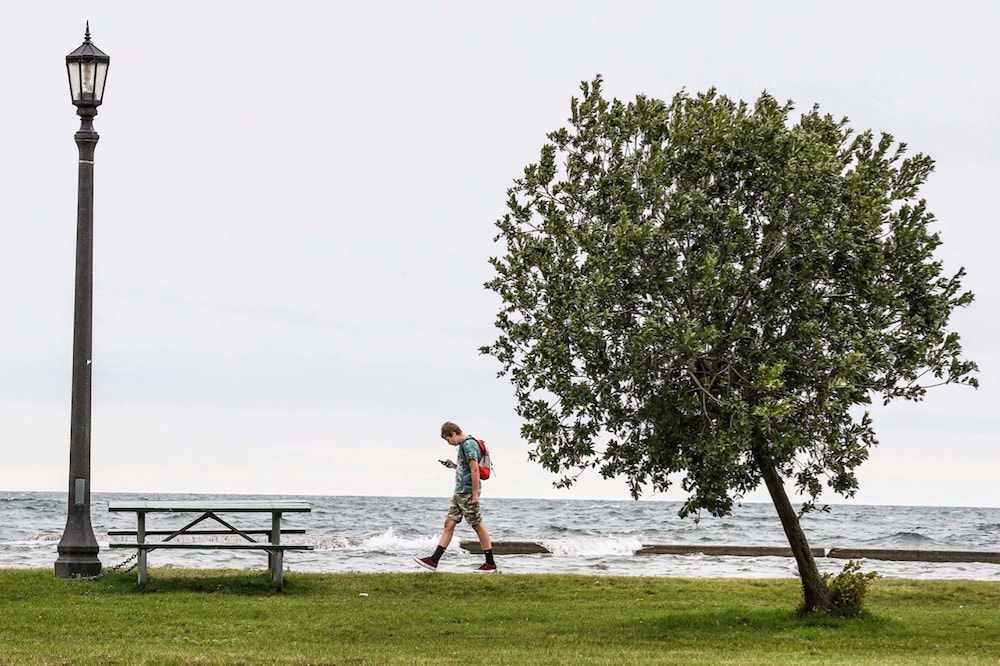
(234, 617)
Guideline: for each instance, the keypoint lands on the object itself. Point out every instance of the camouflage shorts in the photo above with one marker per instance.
(461, 507)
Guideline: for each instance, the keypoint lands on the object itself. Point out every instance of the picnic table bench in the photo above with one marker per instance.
(245, 539)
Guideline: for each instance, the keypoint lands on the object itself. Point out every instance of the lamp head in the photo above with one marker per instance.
(87, 67)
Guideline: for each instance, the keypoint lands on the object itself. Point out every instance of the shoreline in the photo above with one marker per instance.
(889, 554)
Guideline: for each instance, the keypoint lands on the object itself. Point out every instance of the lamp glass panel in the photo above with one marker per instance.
(100, 78)
(74, 80)
(88, 74)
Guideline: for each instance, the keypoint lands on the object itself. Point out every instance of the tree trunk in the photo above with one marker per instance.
(815, 593)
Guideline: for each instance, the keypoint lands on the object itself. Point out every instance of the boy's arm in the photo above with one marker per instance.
(474, 468)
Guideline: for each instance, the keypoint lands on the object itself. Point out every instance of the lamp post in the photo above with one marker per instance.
(88, 70)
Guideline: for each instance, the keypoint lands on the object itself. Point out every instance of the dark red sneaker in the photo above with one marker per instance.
(487, 568)
(426, 563)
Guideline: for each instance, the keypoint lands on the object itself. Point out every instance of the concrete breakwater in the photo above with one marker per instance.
(898, 555)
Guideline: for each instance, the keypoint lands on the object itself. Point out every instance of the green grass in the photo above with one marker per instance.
(233, 617)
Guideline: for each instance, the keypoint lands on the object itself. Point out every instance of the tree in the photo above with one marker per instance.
(703, 292)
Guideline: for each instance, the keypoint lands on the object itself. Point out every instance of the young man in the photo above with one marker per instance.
(465, 501)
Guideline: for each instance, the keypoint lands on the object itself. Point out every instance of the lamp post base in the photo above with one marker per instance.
(78, 563)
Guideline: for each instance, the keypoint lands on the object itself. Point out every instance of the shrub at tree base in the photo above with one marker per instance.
(849, 590)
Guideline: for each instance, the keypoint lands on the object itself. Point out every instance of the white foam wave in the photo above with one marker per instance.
(386, 542)
(610, 546)
(45, 538)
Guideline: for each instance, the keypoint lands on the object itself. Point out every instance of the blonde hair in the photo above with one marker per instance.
(449, 428)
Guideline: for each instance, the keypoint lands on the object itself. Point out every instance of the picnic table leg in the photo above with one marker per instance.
(277, 570)
(140, 539)
(274, 557)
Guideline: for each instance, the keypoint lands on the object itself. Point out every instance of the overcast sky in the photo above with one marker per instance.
(295, 205)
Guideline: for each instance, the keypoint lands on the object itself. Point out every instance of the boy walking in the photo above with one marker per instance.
(465, 501)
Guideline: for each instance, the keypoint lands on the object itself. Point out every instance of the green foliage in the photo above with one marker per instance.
(696, 288)
(206, 617)
(849, 589)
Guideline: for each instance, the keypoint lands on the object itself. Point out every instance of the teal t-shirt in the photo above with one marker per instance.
(467, 450)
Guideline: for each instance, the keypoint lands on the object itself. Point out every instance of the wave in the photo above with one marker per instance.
(593, 546)
(904, 539)
(386, 542)
(390, 542)
(39, 538)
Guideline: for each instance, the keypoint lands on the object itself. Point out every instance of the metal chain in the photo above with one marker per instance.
(111, 570)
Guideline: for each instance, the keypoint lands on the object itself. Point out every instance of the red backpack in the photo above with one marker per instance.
(485, 464)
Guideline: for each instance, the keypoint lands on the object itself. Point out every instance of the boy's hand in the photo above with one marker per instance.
(450, 464)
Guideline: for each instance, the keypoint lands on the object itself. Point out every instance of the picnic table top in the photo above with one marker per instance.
(222, 505)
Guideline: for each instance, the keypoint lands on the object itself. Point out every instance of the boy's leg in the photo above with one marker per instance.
(449, 531)
(484, 536)
(487, 544)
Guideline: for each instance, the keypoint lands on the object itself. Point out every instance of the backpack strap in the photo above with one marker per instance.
(461, 450)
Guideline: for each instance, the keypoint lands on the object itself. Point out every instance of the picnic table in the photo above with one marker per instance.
(207, 521)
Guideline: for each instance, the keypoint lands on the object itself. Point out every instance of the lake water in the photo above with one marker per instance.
(372, 534)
